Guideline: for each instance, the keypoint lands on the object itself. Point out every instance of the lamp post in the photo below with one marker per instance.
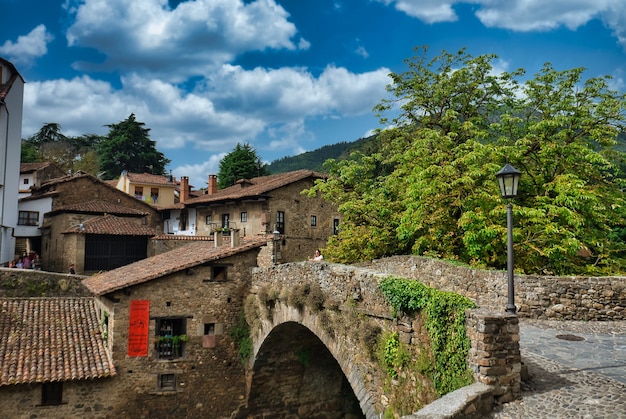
(508, 179)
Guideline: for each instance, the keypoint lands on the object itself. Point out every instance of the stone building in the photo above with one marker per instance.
(30, 212)
(54, 363)
(266, 205)
(34, 174)
(92, 225)
(169, 321)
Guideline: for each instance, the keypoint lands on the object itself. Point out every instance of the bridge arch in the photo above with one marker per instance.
(298, 368)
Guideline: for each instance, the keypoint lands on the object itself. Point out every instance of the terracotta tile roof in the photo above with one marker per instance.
(182, 237)
(33, 167)
(150, 178)
(256, 187)
(51, 339)
(111, 225)
(98, 206)
(181, 258)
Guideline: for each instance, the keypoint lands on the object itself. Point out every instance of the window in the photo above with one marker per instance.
(244, 217)
(139, 192)
(209, 328)
(336, 226)
(209, 220)
(225, 219)
(280, 222)
(170, 338)
(28, 218)
(167, 382)
(154, 195)
(218, 273)
(25, 181)
(52, 393)
(313, 220)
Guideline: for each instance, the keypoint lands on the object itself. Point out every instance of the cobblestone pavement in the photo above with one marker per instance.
(577, 370)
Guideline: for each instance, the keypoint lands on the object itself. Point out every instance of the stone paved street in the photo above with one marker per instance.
(577, 370)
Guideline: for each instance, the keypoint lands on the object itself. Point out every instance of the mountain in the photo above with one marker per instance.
(314, 160)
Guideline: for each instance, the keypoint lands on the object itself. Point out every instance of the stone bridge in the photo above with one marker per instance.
(314, 328)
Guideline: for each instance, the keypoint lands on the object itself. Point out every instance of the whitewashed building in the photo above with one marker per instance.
(11, 106)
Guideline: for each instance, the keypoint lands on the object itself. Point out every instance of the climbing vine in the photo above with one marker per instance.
(241, 335)
(445, 323)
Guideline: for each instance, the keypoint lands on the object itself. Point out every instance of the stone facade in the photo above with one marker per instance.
(81, 399)
(209, 377)
(57, 253)
(297, 241)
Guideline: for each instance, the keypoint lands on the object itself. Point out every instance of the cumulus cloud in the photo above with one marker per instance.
(146, 36)
(234, 105)
(28, 47)
(523, 15)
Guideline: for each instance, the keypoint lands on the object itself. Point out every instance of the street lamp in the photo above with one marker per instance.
(508, 179)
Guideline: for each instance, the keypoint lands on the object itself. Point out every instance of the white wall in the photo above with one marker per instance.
(42, 206)
(10, 147)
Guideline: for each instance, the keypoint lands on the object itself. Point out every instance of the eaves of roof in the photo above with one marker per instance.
(194, 254)
(255, 188)
(111, 225)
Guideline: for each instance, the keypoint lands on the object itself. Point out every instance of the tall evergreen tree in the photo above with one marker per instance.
(129, 147)
(241, 163)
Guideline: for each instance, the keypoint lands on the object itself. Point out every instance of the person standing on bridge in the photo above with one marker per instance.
(318, 256)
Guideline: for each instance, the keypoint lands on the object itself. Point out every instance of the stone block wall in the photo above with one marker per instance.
(31, 283)
(494, 355)
(539, 297)
(81, 399)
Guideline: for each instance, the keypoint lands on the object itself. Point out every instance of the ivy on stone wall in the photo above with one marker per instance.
(445, 323)
(241, 335)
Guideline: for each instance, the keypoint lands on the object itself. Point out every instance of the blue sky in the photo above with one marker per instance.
(286, 76)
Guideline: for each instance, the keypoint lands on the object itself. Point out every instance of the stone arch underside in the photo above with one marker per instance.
(300, 371)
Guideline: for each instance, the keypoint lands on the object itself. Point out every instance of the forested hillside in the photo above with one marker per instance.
(314, 160)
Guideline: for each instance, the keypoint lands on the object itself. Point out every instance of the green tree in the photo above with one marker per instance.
(432, 185)
(29, 153)
(49, 133)
(241, 163)
(129, 147)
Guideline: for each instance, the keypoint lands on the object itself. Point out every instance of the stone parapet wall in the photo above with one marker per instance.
(538, 297)
(26, 283)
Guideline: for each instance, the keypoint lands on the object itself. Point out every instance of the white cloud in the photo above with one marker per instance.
(523, 15)
(148, 37)
(198, 173)
(429, 11)
(28, 47)
(233, 106)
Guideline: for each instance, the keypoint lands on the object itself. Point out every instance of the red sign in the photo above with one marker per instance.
(139, 322)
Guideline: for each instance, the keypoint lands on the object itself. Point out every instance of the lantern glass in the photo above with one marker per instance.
(508, 179)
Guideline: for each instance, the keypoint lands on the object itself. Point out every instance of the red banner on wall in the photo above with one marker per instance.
(139, 322)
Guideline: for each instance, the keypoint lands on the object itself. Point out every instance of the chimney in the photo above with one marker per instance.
(212, 188)
(184, 189)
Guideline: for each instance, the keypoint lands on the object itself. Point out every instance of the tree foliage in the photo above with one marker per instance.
(129, 147)
(431, 189)
(241, 163)
(69, 153)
